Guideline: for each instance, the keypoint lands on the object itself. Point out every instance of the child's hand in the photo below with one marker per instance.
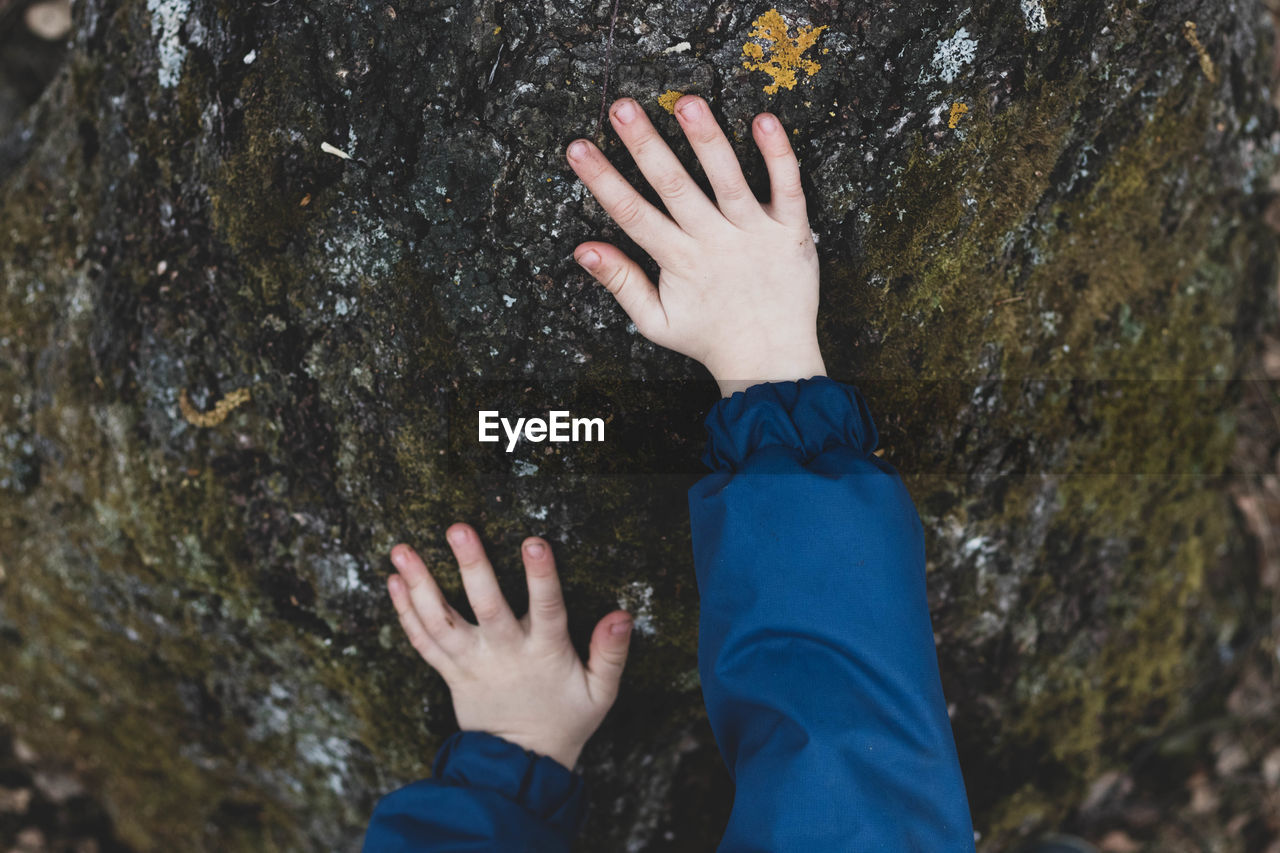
(518, 679)
(738, 289)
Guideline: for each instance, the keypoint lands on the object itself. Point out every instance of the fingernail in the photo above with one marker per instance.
(691, 108)
(620, 628)
(458, 535)
(589, 259)
(769, 124)
(536, 550)
(577, 150)
(397, 557)
(625, 112)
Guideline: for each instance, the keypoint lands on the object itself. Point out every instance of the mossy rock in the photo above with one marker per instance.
(1043, 261)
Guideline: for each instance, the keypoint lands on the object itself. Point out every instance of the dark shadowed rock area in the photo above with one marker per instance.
(235, 368)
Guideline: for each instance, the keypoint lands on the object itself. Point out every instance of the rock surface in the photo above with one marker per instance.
(1043, 258)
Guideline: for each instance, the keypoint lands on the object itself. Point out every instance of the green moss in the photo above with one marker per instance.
(932, 243)
(259, 189)
(1106, 294)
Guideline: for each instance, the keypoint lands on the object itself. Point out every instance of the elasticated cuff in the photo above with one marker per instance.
(540, 784)
(809, 416)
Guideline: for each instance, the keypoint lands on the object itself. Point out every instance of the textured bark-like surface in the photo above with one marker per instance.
(1007, 197)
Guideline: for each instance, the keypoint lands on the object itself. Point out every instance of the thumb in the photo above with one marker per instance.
(608, 655)
(628, 283)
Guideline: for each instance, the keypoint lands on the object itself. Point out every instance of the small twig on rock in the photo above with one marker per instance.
(494, 69)
(217, 414)
(1206, 64)
(608, 63)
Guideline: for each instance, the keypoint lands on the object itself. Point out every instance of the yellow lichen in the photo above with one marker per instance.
(217, 414)
(786, 53)
(957, 110)
(667, 100)
(1206, 64)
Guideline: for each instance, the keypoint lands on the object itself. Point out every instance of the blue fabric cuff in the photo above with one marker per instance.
(541, 785)
(808, 416)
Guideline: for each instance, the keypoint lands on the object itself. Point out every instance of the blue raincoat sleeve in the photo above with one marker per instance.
(485, 794)
(815, 644)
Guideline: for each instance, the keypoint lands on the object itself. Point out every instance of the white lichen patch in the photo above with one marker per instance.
(338, 574)
(353, 575)
(952, 55)
(637, 599)
(167, 18)
(358, 248)
(901, 123)
(362, 377)
(1049, 321)
(80, 300)
(1033, 12)
(273, 715)
(330, 756)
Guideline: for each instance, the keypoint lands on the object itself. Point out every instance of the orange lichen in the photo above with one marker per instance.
(217, 414)
(667, 100)
(786, 52)
(958, 109)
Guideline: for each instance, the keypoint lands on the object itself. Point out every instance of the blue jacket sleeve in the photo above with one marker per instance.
(815, 644)
(485, 794)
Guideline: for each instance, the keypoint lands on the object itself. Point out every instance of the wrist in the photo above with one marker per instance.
(565, 754)
(567, 758)
(742, 375)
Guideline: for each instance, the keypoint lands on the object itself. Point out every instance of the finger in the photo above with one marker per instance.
(609, 643)
(652, 229)
(547, 616)
(444, 624)
(786, 195)
(628, 283)
(487, 601)
(421, 641)
(682, 197)
(737, 202)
